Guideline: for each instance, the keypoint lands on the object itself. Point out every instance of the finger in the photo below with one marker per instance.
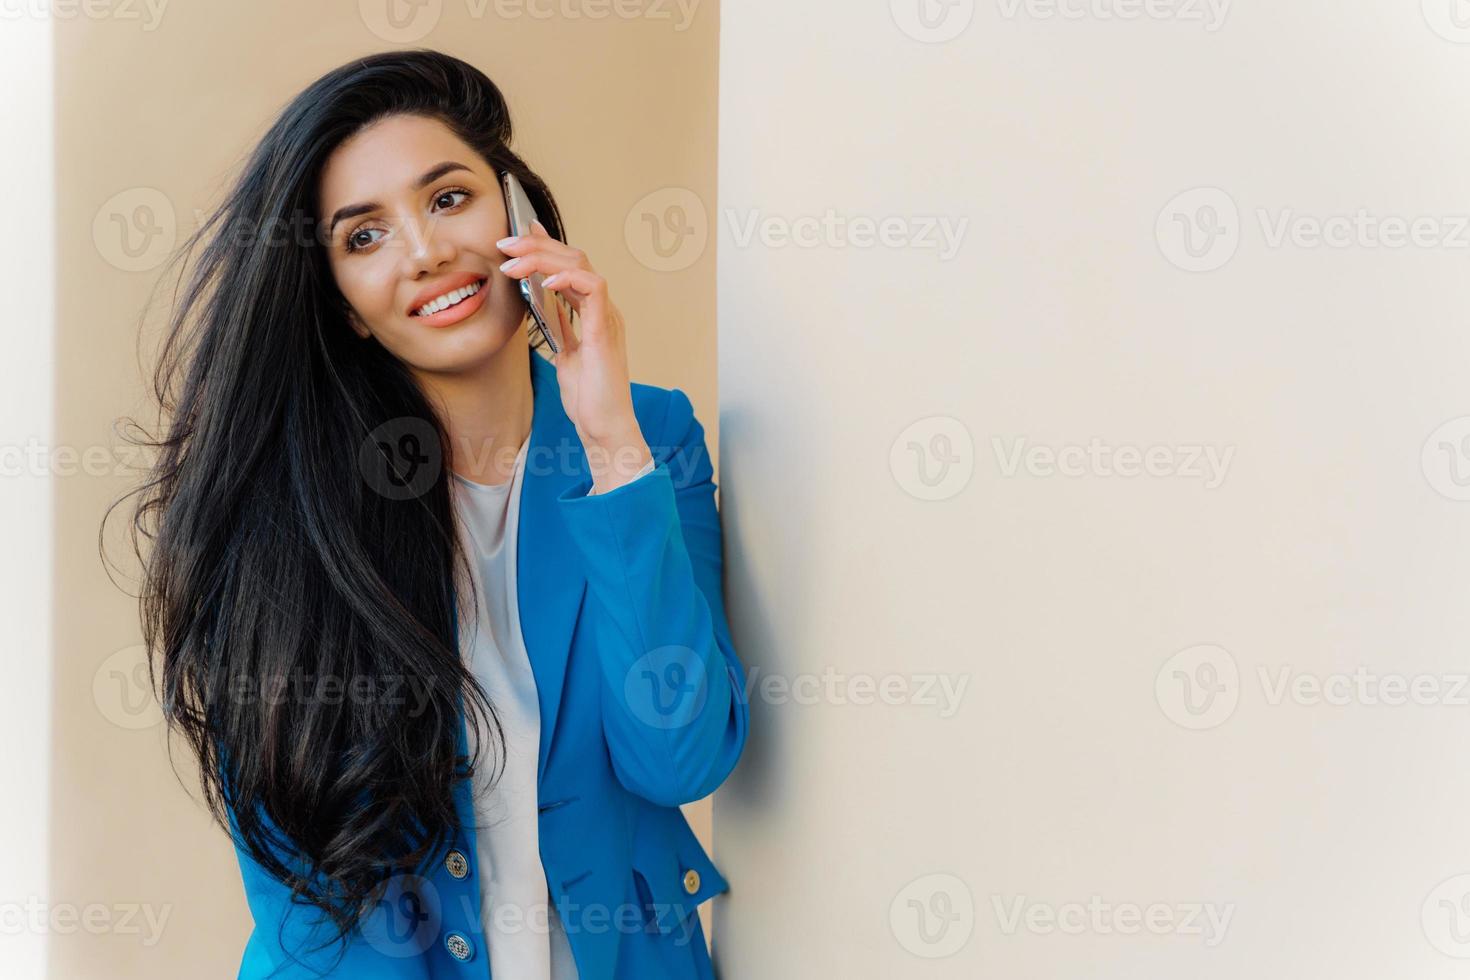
(539, 239)
(549, 241)
(563, 314)
(587, 292)
(544, 262)
(539, 242)
(531, 240)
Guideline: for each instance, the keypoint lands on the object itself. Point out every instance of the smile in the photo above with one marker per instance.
(450, 299)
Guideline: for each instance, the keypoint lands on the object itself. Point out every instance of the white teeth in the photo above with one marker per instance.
(448, 300)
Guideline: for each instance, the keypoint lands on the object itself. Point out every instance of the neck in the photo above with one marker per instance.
(487, 411)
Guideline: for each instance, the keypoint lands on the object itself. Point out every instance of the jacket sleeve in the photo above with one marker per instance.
(647, 469)
(673, 703)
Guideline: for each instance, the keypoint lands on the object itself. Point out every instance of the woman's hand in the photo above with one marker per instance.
(592, 371)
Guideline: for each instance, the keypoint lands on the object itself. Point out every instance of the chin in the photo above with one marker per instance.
(468, 348)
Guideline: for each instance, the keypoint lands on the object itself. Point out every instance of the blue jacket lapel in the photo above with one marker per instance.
(550, 583)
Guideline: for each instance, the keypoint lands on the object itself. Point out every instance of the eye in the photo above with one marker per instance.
(353, 241)
(451, 193)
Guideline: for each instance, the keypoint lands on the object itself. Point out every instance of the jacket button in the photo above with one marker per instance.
(456, 864)
(691, 881)
(459, 947)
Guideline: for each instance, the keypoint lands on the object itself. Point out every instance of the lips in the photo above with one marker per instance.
(443, 287)
(461, 311)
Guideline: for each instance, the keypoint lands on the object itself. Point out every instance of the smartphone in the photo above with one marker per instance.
(542, 304)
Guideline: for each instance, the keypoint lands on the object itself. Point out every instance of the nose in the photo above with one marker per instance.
(426, 251)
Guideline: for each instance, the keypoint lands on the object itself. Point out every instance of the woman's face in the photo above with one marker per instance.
(411, 214)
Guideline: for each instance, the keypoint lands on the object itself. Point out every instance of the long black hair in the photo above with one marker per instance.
(291, 587)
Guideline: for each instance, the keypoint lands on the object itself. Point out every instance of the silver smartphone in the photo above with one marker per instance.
(542, 304)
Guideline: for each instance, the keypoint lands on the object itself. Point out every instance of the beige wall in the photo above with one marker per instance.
(874, 529)
(159, 110)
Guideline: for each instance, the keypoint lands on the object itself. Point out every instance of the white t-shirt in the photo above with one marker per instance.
(526, 939)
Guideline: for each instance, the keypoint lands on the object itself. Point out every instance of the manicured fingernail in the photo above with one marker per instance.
(551, 280)
(507, 265)
(507, 241)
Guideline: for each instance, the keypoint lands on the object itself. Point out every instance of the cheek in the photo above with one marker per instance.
(367, 290)
(505, 299)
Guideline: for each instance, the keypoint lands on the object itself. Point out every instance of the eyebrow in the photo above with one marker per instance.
(430, 175)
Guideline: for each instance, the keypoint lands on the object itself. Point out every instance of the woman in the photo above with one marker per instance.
(364, 451)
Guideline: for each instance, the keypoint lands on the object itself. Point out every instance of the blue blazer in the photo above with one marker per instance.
(642, 709)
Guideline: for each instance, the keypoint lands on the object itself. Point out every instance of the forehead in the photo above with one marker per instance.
(385, 158)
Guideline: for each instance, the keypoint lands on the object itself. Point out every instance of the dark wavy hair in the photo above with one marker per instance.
(273, 557)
